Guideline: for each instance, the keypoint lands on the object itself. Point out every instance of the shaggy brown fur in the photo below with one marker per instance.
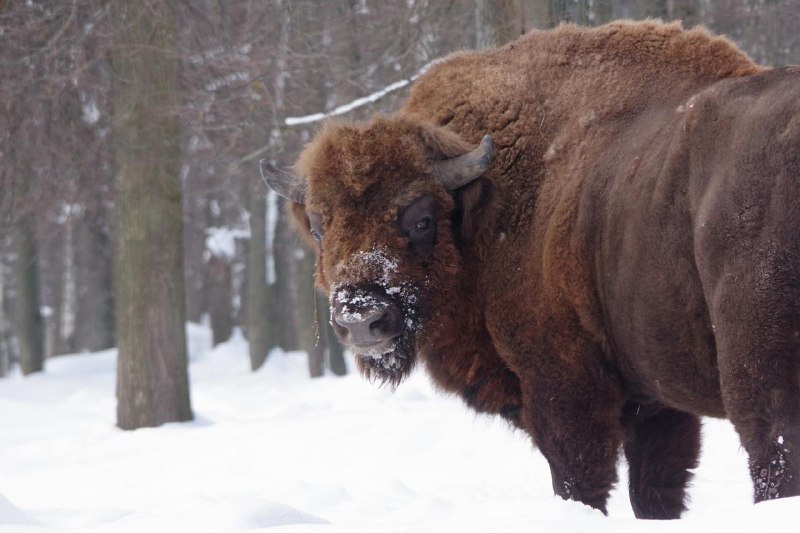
(630, 261)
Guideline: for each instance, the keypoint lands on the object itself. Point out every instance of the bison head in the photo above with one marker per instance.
(385, 204)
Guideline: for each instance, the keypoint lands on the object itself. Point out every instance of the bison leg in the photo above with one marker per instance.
(576, 427)
(756, 316)
(661, 445)
(760, 391)
(762, 403)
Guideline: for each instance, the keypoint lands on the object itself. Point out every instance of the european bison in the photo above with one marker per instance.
(619, 256)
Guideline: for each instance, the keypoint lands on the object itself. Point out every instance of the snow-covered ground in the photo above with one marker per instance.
(275, 450)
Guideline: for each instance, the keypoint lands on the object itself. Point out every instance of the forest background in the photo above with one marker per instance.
(130, 136)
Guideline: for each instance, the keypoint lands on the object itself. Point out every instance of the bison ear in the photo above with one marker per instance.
(287, 185)
(472, 201)
(301, 222)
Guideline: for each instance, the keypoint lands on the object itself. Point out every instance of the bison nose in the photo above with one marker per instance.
(368, 325)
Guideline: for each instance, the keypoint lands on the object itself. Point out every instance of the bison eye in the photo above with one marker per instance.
(315, 225)
(418, 222)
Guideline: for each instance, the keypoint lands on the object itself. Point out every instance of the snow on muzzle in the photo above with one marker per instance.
(372, 309)
(368, 322)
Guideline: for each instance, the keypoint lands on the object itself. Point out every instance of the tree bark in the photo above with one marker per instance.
(586, 12)
(220, 298)
(152, 377)
(69, 290)
(497, 22)
(94, 329)
(265, 309)
(538, 15)
(308, 330)
(257, 325)
(284, 289)
(335, 350)
(5, 327)
(30, 331)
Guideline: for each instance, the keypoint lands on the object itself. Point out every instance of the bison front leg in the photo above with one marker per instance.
(574, 421)
(661, 445)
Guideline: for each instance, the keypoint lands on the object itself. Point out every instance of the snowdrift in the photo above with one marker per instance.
(274, 450)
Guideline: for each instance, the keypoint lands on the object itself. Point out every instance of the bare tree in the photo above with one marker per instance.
(244, 67)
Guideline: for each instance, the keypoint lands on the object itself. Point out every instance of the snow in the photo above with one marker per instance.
(91, 113)
(274, 450)
(221, 242)
(227, 80)
(355, 301)
(346, 108)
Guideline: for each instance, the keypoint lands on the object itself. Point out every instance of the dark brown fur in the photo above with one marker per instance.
(630, 262)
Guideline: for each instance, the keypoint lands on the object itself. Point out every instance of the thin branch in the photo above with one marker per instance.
(341, 110)
(54, 39)
(346, 108)
(359, 102)
(252, 155)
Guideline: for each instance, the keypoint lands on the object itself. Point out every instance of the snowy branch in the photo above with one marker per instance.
(341, 110)
(359, 102)
(346, 108)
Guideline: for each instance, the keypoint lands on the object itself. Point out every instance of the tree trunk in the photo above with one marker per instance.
(30, 332)
(257, 325)
(282, 274)
(497, 22)
(5, 327)
(585, 12)
(266, 309)
(538, 15)
(217, 270)
(69, 285)
(152, 378)
(335, 350)
(308, 329)
(94, 329)
(284, 290)
(684, 10)
(220, 298)
(197, 219)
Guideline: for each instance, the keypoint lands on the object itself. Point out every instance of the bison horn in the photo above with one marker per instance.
(282, 182)
(459, 171)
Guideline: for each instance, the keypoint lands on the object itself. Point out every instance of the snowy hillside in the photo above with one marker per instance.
(275, 450)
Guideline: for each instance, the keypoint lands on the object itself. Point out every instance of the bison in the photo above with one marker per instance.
(594, 233)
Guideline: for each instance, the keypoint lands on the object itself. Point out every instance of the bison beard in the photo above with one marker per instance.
(394, 358)
(391, 368)
(635, 267)
(392, 364)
